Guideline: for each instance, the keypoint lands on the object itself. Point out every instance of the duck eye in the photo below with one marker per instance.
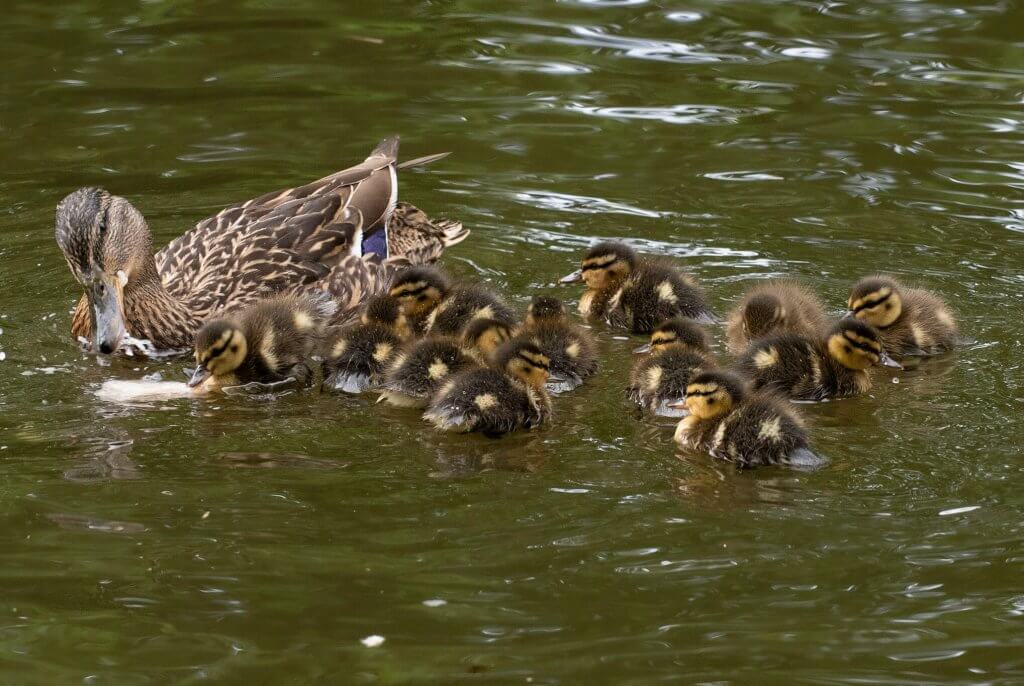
(711, 401)
(888, 306)
(234, 348)
(848, 349)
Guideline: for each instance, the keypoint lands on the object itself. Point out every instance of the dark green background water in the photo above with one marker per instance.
(749, 139)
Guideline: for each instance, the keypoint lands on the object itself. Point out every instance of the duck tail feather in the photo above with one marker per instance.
(420, 161)
(453, 232)
(387, 148)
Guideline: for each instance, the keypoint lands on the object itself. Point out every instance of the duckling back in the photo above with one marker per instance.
(800, 368)
(357, 356)
(464, 304)
(772, 307)
(659, 379)
(416, 374)
(571, 349)
(488, 401)
(926, 326)
(283, 333)
(654, 292)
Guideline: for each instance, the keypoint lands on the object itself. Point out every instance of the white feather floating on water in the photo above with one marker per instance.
(129, 391)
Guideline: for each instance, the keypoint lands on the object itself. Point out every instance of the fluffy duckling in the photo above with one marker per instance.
(266, 342)
(634, 293)
(358, 355)
(774, 306)
(679, 348)
(416, 375)
(508, 396)
(419, 290)
(816, 369)
(726, 420)
(912, 321)
(462, 305)
(571, 349)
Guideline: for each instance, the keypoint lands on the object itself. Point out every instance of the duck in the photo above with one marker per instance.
(804, 368)
(358, 355)
(727, 420)
(912, 321)
(268, 341)
(464, 303)
(416, 374)
(331, 235)
(776, 305)
(496, 400)
(419, 290)
(570, 348)
(678, 349)
(636, 293)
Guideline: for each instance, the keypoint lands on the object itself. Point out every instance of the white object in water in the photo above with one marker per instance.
(122, 391)
(372, 641)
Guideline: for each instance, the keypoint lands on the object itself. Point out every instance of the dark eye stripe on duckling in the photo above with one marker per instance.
(593, 264)
(865, 344)
(875, 302)
(407, 290)
(701, 391)
(536, 363)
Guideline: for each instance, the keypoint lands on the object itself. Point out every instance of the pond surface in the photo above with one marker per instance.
(240, 541)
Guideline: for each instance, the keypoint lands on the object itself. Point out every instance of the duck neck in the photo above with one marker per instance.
(152, 313)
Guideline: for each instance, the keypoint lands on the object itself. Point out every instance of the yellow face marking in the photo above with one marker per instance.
(771, 430)
(666, 293)
(485, 401)
(843, 351)
(437, 370)
(766, 358)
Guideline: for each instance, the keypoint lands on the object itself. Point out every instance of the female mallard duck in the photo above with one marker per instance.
(912, 321)
(571, 349)
(726, 420)
(636, 293)
(814, 368)
(494, 401)
(774, 306)
(679, 348)
(357, 356)
(417, 374)
(266, 342)
(331, 235)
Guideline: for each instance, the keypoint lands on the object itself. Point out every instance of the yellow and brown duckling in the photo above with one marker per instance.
(636, 293)
(419, 290)
(267, 342)
(803, 368)
(495, 400)
(357, 356)
(679, 349)
(465, 303)
(727, 420)
(417, 374)
(774, 306)
(571, 349)
(912, 321)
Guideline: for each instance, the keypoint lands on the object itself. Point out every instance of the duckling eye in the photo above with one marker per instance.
(711, 401)
(888, 306)
(234, 348)
(848, 349)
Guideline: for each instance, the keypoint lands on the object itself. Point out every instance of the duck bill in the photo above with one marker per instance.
(680, 405)
(887, 361)
(200, 375)
(106, 300)
(572, 278)
(643, 349)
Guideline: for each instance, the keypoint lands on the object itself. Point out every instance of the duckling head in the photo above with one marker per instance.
(876, 300)
(108, 247)
(677, 332)
(857, 345)
(544, 308)
(419, 290)
(762, 313)
(220, 349)
(486, 335)
(525, 361)
(387, 311)
(605, 266)
(713, 394)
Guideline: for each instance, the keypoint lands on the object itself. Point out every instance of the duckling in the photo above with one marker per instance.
(266, 342)
(416, 375)
(774, 306)
(726, 420)
(358, 355)
(571, 349)
(912, 321)
(508, 396)
(679, 349)
(463, 304)
(634, 293)
(816, 369)
(419, 290)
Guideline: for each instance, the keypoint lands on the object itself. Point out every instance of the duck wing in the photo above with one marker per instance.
(354, 279)
(283, 240)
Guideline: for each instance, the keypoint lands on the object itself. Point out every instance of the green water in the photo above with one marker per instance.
(238, 541)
